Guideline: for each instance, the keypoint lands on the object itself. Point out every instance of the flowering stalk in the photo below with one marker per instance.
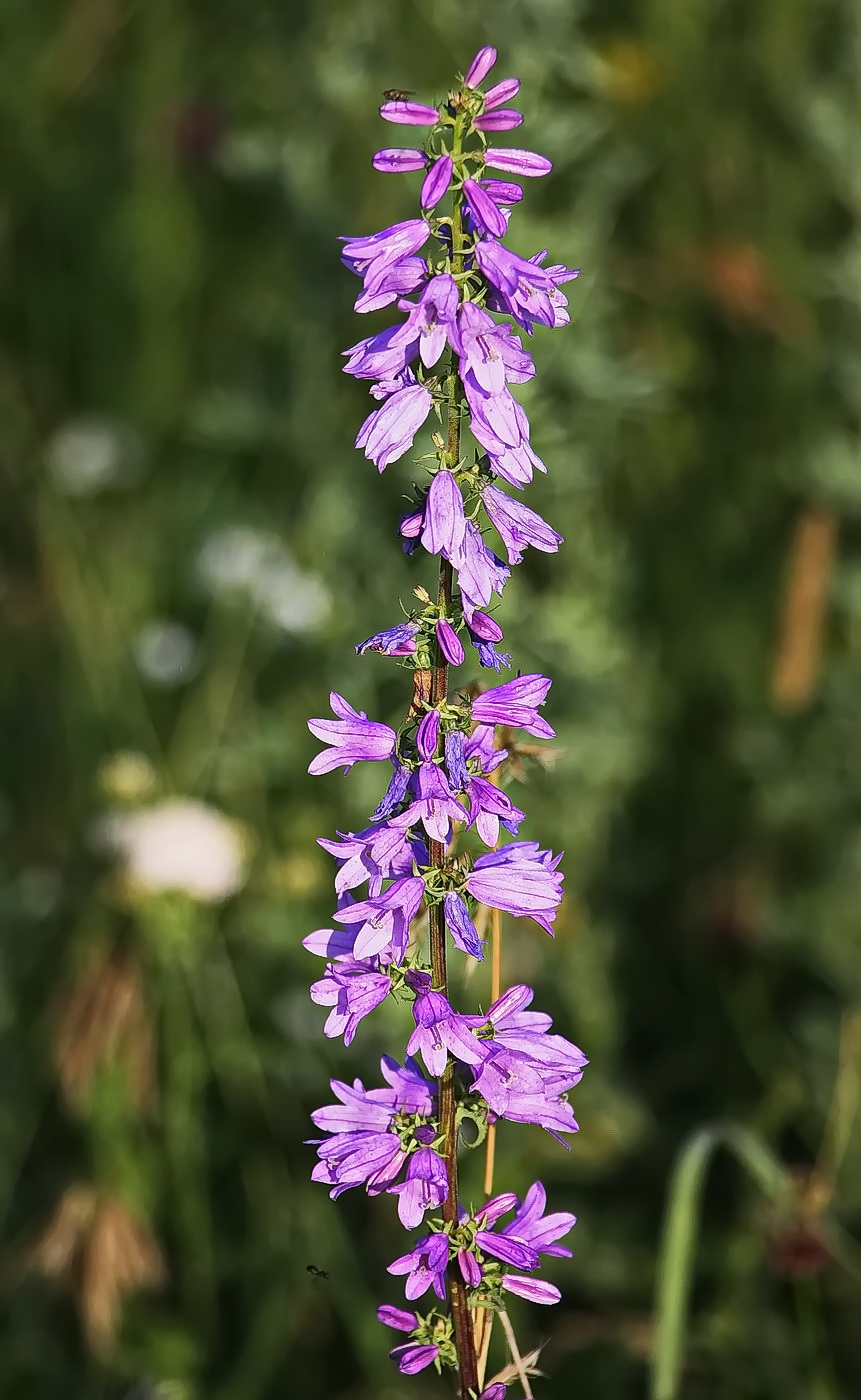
(464, 1338)
(446, 766)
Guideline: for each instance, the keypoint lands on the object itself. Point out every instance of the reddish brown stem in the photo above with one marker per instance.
(461, 1316)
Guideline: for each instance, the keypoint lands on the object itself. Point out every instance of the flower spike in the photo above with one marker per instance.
(443, 846)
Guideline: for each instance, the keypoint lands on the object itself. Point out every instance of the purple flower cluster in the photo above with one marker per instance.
(401, 885)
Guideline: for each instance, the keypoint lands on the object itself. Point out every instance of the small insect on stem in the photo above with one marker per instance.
(317, 1274)
(398, 94)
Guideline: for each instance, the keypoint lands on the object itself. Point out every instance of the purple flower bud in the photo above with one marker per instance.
(502, 191)
(428, 734)
(409, 529)
(450, 643)
(506, 119)
(485, 627)
(497, 1206)
(436, 182)
(463, 931)
(501, 92)
(409, 113)
(397, 1317)
(517, 162)
(469, 1267)
(480, 67)
(395, 159)
(455, 760)
(414, 1357)
(496, 1391)
(487, 215)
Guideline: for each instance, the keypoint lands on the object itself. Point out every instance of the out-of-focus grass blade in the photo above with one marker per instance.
(675, 1265)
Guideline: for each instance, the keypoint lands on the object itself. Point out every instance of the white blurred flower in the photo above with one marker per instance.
(165, 653)
(179, 844)
(87, 454)
(242, 559)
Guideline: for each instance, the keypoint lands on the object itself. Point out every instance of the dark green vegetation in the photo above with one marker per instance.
(177, 449)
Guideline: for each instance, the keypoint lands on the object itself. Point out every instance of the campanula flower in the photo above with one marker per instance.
(521, 879)
(518, 525)
(440, 1030)
(353, 989)
(515, 703)
(425, 1267)
(384, 919)
(399, 640)
(388, 432)
(352, 737)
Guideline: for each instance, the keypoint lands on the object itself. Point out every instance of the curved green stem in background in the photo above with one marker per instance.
(675, 1265)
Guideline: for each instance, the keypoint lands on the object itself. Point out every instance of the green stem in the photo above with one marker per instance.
(461, 1316)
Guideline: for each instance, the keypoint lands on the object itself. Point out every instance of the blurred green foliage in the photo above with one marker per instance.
(190, 548)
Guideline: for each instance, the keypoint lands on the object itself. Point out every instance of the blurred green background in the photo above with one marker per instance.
(190, 548)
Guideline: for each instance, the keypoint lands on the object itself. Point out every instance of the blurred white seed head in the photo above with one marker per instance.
(241, 559)
(88, 454)
(165, 653)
